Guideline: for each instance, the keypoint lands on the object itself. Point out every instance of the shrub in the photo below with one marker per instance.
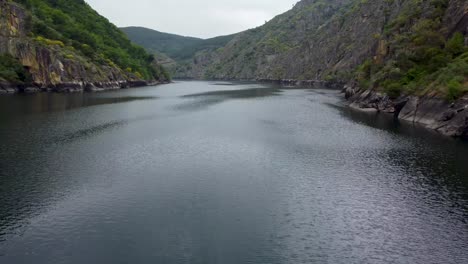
(454, 89)
(421, 57)
(456, 44)
(12, 70)
(392, 89)
(49, 42)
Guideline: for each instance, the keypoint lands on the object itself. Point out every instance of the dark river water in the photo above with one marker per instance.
(205, 172)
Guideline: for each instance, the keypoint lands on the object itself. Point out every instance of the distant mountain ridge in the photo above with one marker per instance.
(396, 46)
(176, 47)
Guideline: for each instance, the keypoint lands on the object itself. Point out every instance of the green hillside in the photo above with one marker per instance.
(176, 47)
(158, 42)
(406, 46)
(427, 52)
(74, 31)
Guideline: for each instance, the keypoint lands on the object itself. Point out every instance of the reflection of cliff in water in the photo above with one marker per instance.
(49, 102)
(454, 149)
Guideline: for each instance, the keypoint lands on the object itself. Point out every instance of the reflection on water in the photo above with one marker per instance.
(235, 94)
(224, 173)
(48, 102)
(441, 151)
(206, 99)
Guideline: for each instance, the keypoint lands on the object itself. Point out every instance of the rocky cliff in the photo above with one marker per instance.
(405, 57)
(449, 118)
(51, 64)
(323, 40)
(419, 68)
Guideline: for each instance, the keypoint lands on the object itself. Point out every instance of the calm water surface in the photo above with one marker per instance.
(200, 172)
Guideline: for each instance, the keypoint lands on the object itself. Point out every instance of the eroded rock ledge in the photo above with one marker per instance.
(447, 118)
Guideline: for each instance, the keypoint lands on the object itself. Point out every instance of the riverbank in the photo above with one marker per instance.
(430, 110)
(73, 87)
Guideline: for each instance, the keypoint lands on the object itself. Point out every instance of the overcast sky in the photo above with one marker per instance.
(198, 18)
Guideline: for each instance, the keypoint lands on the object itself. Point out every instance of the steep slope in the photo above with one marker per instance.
(172, 45)
(173, 51)
(406, 57)
(66, 45)
(178, 48)
(283, 48)
(328, 40)
(421, 50)
(420, 68)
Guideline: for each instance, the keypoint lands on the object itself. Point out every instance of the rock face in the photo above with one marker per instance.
(316, 40)
(447, 118)
(7, 88)
(51, 68)
(327, 41)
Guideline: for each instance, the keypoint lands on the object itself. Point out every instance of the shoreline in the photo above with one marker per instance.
(76, 87)
(434, 113)
(308, 83)
(430, 111)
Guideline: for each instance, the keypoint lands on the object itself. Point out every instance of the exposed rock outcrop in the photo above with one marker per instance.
(447, 118)
(54, 67)
(322, 40)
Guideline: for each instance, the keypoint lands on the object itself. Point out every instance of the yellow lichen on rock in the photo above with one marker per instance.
(382, 52)
(55, 78)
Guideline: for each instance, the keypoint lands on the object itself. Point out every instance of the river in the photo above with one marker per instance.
(209, 172)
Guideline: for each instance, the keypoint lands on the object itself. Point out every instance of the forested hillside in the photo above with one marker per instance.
(66, 42)
(397, 46)
(173, 50)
